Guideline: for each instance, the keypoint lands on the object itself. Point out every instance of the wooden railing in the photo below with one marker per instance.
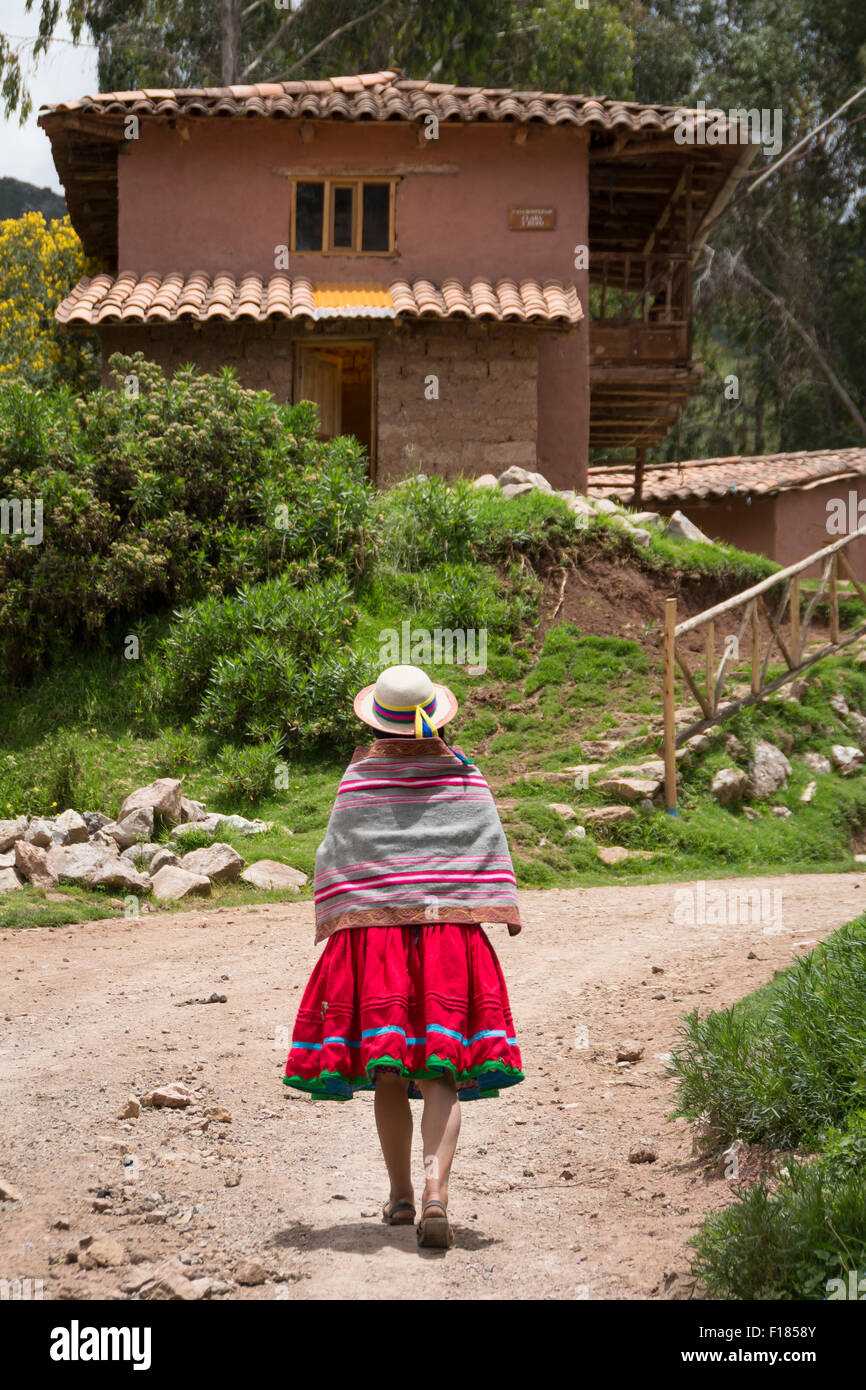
(633, 288)
(784, 626)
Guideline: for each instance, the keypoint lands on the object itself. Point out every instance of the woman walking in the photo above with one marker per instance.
(408, 998)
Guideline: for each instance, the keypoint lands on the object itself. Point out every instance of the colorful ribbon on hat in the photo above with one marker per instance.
(409, 714)
(419, 716)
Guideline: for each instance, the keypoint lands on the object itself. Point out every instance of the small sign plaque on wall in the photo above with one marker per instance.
(532, 219)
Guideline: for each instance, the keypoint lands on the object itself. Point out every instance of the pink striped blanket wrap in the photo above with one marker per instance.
(414, 837)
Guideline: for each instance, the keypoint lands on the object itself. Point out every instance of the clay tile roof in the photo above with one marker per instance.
(377, 96)
(740, 475)
(155, 298)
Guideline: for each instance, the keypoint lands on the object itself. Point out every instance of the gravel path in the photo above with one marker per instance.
(544, 1201)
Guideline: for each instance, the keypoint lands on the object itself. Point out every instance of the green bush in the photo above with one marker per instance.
(162, 492)
(248, 773)
(788, 1243)
(787, 1064)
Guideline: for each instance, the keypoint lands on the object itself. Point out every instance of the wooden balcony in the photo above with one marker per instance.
(640, 335)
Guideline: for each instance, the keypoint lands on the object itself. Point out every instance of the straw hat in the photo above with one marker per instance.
(405, 700)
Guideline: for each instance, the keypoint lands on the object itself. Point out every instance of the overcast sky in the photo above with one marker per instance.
(64, 72)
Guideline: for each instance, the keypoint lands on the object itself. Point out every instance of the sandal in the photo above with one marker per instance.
(399, 1213)
(434, 1231)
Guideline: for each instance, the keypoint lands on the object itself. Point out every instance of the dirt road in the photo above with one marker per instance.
(544, 1200)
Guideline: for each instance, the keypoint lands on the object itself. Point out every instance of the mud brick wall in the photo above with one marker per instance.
(261, 354)
(486, 414)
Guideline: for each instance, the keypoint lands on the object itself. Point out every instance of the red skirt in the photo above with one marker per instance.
(424, 1001)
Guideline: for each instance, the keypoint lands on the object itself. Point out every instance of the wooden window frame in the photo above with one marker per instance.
(357, 185)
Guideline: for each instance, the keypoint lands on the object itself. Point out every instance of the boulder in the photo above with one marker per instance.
(121, 873)
(95, 820)
(486, 480)
(840, 705)
(142, 855)
(242, 826)
(729, 785)
(517, 489)
(681, 529)
(605, 505)
(629, 1051)
(81, 863)
(515, 476)
(846, 759)
(9, 880)
(629, 788)
(638, 535)
(72, 827)
(7, 860)
(138, 825)
(209, 824)
(31, 861)
(562, 810)
(653, 768)
(781, 811)
(10, 831)
(858, 723)
(39, 831)
(769, 769)
(172, 882)
(269, 873)
(191, 811)
(645, 518)
(818, 763)
(101, 1252)
(162, 797)
(609, 815)
(612, 854)
(218, 862)
(600, 747)
(163, 856)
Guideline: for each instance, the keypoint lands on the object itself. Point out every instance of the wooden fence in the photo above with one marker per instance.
(784, 626)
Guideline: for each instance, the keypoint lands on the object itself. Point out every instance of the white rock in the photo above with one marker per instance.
(9, 880)
(629, 788)
(486, 480)
(81, 863)
(218, 862)
(682, 529)
(645, 518)
(808, 793)
(604, 504)
(39, 832)
(269, 873)
(141, 855)
(781, 811)
(138, 824)
(609, 815)
(120, 873)
(515, 475)
(163, 856)
(172, 882)
(10, 831)
(517, 489)
(72, 827)
(163, 797)
(846, 758)
(769, 769)
(561, 809)
(729, 785)
(194, 810)
(818, 763)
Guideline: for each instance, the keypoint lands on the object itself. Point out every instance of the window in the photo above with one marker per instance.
(343, 216)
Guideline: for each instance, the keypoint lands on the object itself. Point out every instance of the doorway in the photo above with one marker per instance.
(339, 379)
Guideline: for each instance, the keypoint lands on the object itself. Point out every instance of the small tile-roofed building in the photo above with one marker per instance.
(463, 278)
(785, 506)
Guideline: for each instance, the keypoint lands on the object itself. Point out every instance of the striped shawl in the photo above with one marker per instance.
(414, 837)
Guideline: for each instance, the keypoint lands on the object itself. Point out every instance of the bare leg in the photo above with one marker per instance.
(394, 1123)
(440, 1126)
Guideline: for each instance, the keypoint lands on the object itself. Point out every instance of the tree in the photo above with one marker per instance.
(39, 264)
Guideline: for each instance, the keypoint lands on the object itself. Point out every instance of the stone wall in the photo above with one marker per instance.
(484, 418)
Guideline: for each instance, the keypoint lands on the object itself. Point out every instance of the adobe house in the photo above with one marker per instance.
(785, 506)
(410, 255)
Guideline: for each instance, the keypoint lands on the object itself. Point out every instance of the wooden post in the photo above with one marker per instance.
(834, 599)
(670, 708)
(710, 654)
(756, 648)
(640, 461)
(795, 618)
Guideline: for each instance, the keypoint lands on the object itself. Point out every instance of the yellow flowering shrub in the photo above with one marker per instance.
(39, 264)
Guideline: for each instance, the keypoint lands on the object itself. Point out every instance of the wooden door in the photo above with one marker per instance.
(318, 378)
